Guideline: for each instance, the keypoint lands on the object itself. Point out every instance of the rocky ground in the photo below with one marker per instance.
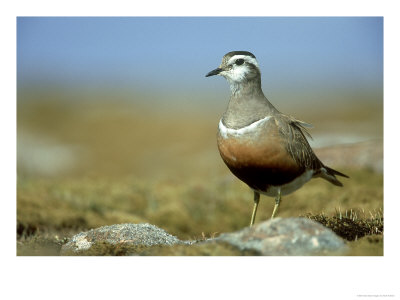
(291, 236)
(84, 166)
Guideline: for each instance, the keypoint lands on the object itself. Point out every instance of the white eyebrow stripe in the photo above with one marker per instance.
(247, 58)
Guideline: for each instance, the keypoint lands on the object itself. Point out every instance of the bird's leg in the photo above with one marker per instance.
(256, 200)
(277, 202)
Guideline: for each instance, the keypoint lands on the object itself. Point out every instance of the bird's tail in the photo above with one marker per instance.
(330, 175)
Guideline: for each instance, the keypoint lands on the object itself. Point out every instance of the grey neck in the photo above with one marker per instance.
(247, 104)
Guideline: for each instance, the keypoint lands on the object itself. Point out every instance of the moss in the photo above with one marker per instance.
(351, 225)
(40, 245)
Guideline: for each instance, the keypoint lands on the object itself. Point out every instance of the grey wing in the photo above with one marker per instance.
(294, 134)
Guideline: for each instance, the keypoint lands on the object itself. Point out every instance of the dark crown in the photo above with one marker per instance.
(232, 53)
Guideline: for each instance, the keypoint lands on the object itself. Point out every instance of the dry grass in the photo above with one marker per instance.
(136, 165)
(352, 225)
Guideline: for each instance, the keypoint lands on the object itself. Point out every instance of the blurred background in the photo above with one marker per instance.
(115, 117)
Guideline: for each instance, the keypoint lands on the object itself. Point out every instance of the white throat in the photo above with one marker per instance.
(238, 73)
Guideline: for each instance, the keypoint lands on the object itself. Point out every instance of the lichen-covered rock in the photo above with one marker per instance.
(143, 235)
(291, 236)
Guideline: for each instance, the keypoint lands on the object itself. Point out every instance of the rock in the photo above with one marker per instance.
(201, 248)
(143, 235)
(368, 154)
(291, 236)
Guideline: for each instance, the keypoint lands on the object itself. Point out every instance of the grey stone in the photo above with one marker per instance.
(368, 154)
(289, 236)
(146, 235)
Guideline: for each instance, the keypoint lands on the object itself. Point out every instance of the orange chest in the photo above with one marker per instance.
(251, 152)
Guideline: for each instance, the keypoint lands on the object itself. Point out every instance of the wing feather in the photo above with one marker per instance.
(294, 133)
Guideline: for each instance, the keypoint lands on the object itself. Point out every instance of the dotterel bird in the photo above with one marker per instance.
(263, 147)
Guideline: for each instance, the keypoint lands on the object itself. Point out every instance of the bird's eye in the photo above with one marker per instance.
(239, 61)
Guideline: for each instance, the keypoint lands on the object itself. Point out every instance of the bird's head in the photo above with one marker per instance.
(238, 67)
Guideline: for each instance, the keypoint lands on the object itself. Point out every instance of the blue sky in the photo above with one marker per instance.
(143, 53)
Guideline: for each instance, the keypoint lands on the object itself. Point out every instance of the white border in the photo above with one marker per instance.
(202, 277)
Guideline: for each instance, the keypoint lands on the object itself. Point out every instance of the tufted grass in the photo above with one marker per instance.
(52, 209)
(132, 164)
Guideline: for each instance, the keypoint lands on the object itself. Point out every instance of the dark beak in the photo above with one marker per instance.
(214, 72)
